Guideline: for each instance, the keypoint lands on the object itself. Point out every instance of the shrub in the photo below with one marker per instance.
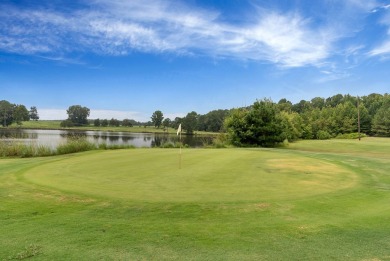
(351, 136)
(323, 135)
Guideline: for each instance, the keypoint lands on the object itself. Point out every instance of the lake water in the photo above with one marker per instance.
(53, 138)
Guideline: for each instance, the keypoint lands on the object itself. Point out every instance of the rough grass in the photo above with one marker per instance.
(310, 203)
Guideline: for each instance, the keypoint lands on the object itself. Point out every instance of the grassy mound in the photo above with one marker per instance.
(206, 175)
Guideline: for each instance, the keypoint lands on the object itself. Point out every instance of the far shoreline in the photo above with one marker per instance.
(55, 125)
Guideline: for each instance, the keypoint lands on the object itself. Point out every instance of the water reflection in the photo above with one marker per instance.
(53, 138)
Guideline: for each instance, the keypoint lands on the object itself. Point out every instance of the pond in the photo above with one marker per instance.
(53, 138)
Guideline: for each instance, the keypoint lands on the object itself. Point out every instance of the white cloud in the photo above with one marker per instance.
(52, 114)
(118, 27)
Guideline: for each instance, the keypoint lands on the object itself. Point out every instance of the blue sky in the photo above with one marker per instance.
(128, 58)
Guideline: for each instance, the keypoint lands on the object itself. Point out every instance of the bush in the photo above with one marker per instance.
(323, 135)
(66, 123)
(351, 136)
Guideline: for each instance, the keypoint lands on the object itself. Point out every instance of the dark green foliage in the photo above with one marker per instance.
(33, 113)
(67, 123)
(261, 125)
(96, 123)
(104, 123)
(128, 123)
(316, 119)
(381, 121)
(351, 136)
(10, 113)
(157, 118)
(212, 121)
(114, 123)
(21, 114)
(78, 115)
(190, 122)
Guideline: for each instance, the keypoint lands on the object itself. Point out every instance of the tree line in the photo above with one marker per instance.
(265, 123)
(16, 113)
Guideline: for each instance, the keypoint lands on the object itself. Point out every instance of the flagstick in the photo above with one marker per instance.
(180, 153)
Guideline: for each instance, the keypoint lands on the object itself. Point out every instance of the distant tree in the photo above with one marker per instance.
(6, 113)
(346, 117)
(302, 106)
(157, 118)
(318, 102)
(128, 123)
(334, 100)
(212, 121)
(381, 121)
(292, 125)
(373, 102)
(78, 115)
(20, 114)
(104, 123)
(176, 122)
(285, 105)
(190, 122)
(166, 123)
(114, 122)
(33, 113)
(96, 123)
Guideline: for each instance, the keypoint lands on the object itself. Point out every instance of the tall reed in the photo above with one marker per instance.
(16, 149)
(21, 150)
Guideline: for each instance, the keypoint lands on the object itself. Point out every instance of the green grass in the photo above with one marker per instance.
(318, 200)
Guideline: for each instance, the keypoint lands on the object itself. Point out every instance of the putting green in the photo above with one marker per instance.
(153, 175)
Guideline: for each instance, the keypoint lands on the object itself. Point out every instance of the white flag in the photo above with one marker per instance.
(179, 129)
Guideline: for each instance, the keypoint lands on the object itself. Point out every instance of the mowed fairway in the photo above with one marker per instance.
(316, 200)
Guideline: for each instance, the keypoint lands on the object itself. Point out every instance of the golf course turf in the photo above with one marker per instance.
(314, 200)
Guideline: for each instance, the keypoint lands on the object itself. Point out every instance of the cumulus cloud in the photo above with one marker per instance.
(118, 27)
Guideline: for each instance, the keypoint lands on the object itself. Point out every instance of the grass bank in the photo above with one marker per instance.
(309, 202)
(55, 125)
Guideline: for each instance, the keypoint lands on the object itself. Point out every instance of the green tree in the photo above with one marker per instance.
(78, 115)
(381, 121)
(292, 125)
(302, 106)
(33, 113)
(166, 123)
(176, 122)
(285, 105)
(334, 100)
(261, 125)
(127, 123)
(96, 123)
(20, 114)
(212, 121)
(104, 123)
(346, 117)
(190, 122)
(114, 123)
(157, 118)
(6, 113)
(318, 102)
